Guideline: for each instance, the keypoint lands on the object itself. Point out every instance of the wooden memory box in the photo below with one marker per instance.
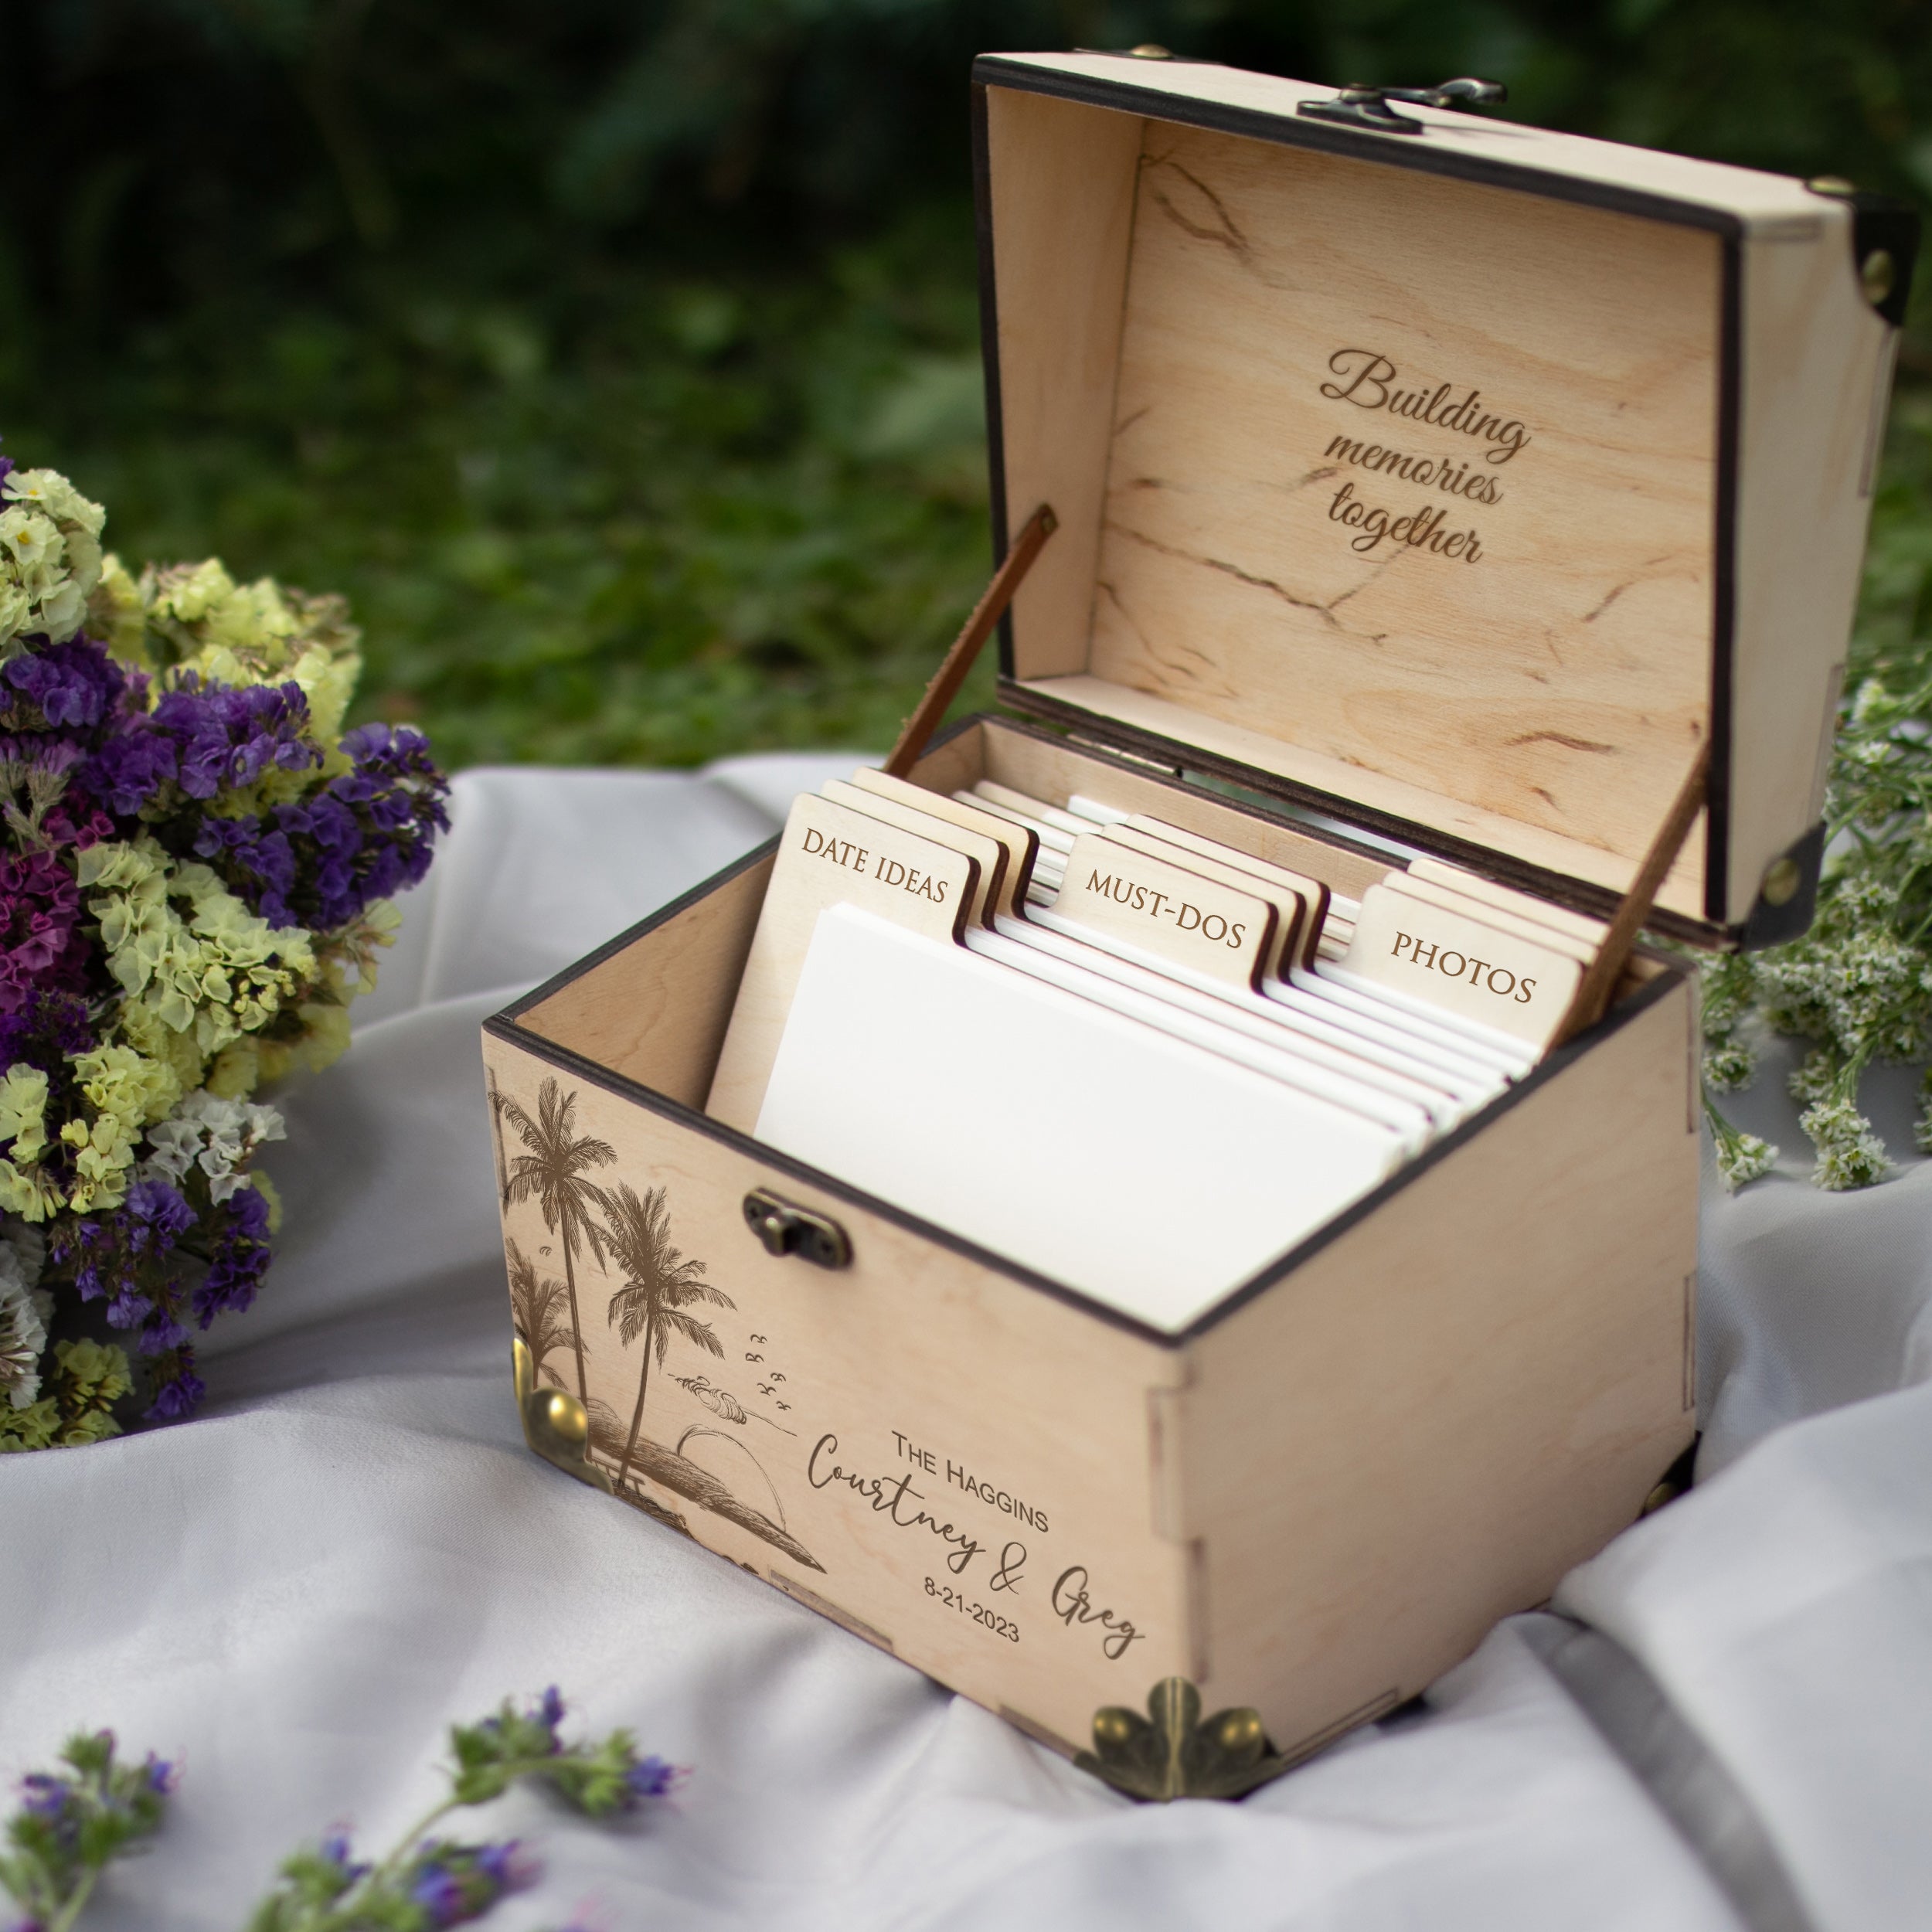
(1419, 479)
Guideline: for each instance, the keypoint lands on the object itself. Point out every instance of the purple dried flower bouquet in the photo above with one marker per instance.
(196, 865)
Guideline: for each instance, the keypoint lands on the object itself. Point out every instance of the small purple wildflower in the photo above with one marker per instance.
(654, 1777)
(226, 737)
(44, 1794)
(456, 1883)
(156, 1216)
(45, 1030)
(364, 836)
(178, 1390)
(60, 687)
(239, 1258)
(337, 1851)
(41, 949)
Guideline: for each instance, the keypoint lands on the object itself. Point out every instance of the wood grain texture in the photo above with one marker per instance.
(1021, 843)
(1562, 677)
(1163, 908)
(1472, 1390)
(1024, 1395)
(1426, 812)
(828, 855)
(1817, 367)
(1774, 202)
(1538, 704)
(988, 855)
(656, 1010)
(1062, 184)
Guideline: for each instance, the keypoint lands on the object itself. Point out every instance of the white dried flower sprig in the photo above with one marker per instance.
(1858, 984)
(25, 1312)
(218, 1136)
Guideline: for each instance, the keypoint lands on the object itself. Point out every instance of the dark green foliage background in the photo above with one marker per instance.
(619, 358)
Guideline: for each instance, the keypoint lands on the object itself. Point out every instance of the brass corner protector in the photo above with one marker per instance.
(556, 1425)
(1173, 1752)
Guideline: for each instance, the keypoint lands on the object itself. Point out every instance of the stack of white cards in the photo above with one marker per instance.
(1132, 1059)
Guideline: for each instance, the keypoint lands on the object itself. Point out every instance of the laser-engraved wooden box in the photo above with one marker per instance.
(1461, 484)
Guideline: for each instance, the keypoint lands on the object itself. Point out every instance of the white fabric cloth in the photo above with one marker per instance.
(298, 1591)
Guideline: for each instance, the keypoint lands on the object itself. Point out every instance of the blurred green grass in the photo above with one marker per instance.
(676, 518)
(619, 359)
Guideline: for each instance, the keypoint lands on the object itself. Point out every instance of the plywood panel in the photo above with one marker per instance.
(916, 1445)
(1184, 86)
(1817, 380)
(1062, 205)
(1470, 1391)
(656, 1010)
(1417, 478)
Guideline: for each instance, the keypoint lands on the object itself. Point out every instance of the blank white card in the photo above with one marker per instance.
(1147, 1171)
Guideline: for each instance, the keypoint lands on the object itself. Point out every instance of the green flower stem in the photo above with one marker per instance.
(77, 1901)
(379, 1875)
(1742, 1158)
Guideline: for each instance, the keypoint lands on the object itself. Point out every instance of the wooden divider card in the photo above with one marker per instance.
(1428, 893)
(1428, 1041)
(1298, 947)
(1159, 908)
(1151, 1174)
(830, 855)
(1472, 885)
(1451, 960)
(1021, 843)
(987, 855)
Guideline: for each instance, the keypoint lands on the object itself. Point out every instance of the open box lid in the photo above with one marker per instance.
(1458, 484)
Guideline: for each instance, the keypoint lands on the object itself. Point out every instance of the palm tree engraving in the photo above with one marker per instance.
(553, 1173)
(659, 1284)
(536, 1309)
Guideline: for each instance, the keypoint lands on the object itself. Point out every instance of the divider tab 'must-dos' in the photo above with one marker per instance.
(830, 855)
(1165, 909)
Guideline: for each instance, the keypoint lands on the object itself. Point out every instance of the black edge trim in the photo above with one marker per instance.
(1882, 221)
(991, 70)
(504, 1025)
(1770, 925)
(989, 357)
(499, 1026)
(1550, 1067)
(1717, 793)
(1089, 746)
(1600, 902)
(1292, 131)
(512, 1013)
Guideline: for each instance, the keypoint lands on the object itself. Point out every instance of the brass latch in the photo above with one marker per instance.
(1369, 107)
(785, 1227)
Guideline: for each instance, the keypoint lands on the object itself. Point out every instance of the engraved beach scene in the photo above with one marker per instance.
(614, 1313)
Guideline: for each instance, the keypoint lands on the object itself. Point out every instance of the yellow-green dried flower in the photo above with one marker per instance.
(49, 557)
